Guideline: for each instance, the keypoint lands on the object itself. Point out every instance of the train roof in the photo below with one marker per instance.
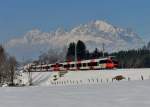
(87, 61)
(82, 61)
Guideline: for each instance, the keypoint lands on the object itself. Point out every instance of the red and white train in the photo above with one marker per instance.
(93, 64)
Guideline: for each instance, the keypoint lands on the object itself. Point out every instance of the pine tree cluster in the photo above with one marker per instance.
(139, 58)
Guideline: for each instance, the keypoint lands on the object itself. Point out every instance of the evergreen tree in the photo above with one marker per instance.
(96, 53)
(148, 45)
(81, 50)
(71, 51)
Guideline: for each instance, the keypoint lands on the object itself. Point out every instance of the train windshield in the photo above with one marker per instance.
(115, 61)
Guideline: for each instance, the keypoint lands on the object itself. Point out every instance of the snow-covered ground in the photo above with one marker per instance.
(118, 94)
(85, 77)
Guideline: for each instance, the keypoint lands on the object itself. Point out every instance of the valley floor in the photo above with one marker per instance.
(117, 94)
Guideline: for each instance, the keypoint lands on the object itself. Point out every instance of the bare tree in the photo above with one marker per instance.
(52, 56)
(12, 63)
(2, 62)
(7, 67)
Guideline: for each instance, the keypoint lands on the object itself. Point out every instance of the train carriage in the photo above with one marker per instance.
(93, 64)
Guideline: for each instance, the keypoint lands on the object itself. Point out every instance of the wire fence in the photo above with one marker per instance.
(94, 80)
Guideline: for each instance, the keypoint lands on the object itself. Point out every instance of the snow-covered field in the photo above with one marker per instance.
(118, 94)
(81, 89)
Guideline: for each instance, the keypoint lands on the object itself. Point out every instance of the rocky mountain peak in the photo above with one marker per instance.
(94, 34)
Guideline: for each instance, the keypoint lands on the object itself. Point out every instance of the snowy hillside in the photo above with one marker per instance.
(84, 77)
(94, 34)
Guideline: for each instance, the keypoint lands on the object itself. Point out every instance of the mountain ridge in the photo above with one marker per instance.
(94, 34)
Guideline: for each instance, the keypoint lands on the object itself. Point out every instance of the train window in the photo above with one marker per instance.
(47, 67)
(84, 64)
(65, 66)
(89, 64)
(68, 65)
(79, 65)
(96, 63)
(108, 61)
(60, 65)
(52, 65)
(102, 61)
(72, 65)
(92, 64)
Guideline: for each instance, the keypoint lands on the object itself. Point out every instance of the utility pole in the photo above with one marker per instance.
(30, 78)
(30, 75)
(103, 49)
(76, 56)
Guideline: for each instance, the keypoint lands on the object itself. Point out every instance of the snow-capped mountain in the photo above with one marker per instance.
(94, 34)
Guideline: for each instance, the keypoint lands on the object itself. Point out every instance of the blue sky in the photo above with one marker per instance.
(20, 16)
